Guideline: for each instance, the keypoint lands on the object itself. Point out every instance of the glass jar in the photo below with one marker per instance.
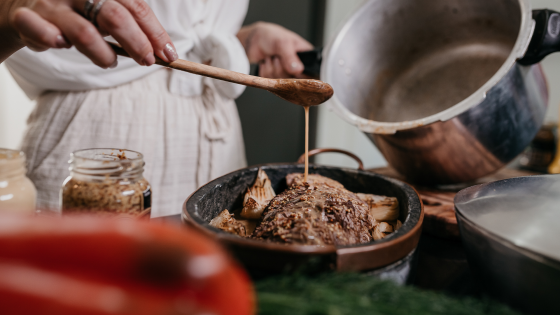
(106, 181)
(17, 192)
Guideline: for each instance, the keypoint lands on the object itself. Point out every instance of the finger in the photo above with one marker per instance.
(37, 33)
(82, 34)
(278, 69)
(148, 22)
(266, 68)
(116, 20)
(289, 59)
(301, 44)
(31, 44)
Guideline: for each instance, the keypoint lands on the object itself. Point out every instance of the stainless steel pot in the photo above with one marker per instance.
(510, 233)
(437, 86)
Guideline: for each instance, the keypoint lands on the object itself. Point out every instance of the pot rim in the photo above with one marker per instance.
(371, 126)
(535, 255)
(507, 243)
(401, 243)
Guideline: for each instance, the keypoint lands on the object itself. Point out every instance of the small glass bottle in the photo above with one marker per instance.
(106, 181)
(17, 192)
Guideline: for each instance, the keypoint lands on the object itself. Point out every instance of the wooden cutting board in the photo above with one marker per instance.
(439, 209)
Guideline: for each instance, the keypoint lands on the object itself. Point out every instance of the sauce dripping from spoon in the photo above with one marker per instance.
(306, 143)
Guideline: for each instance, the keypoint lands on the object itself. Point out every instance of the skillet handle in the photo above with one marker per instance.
(546, 37)
(319, 151)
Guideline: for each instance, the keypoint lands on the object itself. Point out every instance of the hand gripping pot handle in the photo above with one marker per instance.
(311, 60)
(319, 151)
(546, 37)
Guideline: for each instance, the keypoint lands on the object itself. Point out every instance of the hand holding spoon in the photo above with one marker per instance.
(304, 92)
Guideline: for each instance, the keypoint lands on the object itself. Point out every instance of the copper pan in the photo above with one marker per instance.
(227, 192)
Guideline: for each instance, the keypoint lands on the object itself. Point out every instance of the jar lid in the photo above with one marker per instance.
(11, 161)
(107, 162)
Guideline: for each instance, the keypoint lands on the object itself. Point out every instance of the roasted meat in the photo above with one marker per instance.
(319, 212)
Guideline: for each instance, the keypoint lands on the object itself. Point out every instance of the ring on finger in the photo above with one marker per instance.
(88, 6)
(96, 10)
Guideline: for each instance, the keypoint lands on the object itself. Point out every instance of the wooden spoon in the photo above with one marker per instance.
(304, 92)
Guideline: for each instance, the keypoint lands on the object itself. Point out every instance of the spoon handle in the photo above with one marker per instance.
(209, 71)
(304, 92)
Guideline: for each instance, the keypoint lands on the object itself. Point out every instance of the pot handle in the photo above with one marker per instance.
(319, 151)
(311, 60)
(546, 37)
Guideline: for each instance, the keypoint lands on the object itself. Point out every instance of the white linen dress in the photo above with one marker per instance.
(186, 126)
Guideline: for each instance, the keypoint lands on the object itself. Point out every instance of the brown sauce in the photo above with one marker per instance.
(306, 143)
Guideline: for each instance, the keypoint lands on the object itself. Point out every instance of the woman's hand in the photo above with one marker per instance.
(44, 24)
(274, 48)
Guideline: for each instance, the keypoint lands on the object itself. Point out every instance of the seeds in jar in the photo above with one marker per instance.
(108, 196)
(106, 181)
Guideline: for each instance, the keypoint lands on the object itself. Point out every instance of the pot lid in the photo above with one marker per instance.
(524, 211)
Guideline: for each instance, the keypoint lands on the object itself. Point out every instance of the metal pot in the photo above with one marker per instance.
(438, 85)
(260, 257)
(509, 230)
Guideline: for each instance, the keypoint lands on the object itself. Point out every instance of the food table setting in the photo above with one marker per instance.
(447, 228)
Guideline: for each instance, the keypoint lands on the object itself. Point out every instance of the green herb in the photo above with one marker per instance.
(341, 294)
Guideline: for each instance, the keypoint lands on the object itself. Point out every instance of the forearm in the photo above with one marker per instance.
(9, 40)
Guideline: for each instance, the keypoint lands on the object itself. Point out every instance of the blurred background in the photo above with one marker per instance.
(274, 130)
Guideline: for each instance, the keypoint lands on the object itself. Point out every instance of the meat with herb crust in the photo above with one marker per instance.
(321, 212)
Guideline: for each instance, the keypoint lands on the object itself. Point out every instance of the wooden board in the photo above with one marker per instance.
(439, 209)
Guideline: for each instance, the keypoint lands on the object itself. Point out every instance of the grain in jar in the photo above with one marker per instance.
(106, 181)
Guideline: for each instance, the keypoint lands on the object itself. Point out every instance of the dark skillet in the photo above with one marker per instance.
(227, 192)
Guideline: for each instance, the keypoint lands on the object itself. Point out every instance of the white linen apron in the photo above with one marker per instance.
(187, 127)
(186, 141)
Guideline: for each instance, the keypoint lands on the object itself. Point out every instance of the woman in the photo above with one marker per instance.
(186, 126)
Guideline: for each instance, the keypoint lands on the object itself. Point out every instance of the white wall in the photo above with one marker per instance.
(334, 132)
(14, 110)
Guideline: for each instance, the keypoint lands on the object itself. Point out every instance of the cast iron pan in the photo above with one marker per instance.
(227, 192)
